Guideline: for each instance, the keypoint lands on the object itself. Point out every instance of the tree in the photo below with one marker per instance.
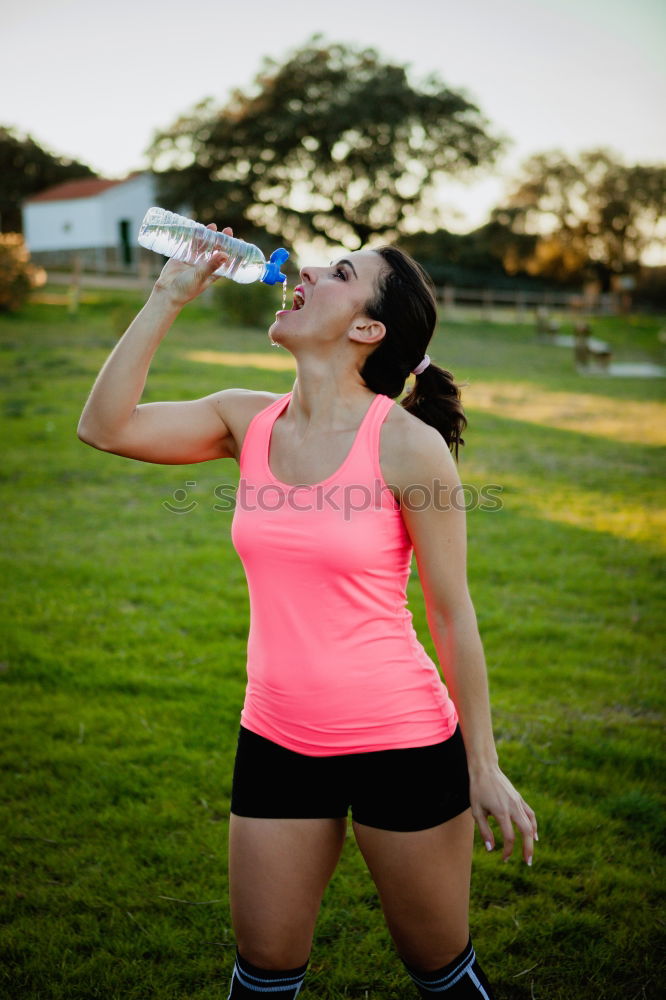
(597, 211)
(27, 168)
(481, 258)
(334, 142)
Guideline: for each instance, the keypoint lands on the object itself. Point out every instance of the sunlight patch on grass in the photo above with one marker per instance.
(592, 510)
(604, 416)
(281, 362)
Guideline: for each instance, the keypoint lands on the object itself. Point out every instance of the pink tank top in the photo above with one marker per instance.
(334, 665)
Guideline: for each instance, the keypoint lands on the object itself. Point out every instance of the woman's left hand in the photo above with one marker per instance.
(492, 794)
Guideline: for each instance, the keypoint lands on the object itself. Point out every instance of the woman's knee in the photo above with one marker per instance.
(274, 955)
(423, 883)
(278, 872)
(276, 937)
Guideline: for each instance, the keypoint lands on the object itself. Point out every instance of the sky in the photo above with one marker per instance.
(94, 80)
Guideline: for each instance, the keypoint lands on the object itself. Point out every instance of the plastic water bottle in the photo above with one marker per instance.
(190, 242)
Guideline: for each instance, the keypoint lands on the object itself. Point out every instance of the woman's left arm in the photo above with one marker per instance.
(438, 532)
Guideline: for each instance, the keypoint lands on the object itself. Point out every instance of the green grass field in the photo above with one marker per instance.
(123, 658)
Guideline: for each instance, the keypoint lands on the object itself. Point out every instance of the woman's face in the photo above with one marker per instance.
(329, 302)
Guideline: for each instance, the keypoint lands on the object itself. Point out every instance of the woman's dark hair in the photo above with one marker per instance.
(405, 304)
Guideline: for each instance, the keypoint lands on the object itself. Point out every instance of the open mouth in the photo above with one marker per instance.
(299, 299)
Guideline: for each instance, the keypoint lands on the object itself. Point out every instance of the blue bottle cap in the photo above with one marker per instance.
(272, 274)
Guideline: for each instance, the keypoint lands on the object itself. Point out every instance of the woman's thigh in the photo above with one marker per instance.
(423, 881)
(278, 870)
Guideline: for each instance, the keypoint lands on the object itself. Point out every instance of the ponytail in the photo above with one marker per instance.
(405, 304)
(435, 399)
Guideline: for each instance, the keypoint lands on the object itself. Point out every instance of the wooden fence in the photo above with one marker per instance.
(523, 305)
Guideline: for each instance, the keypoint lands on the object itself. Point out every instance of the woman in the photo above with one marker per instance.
(343, 708)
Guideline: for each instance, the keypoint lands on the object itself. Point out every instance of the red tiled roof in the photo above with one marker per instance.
(87, 187)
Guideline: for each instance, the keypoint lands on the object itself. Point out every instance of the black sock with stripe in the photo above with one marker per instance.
(248, 981)
(461, 979)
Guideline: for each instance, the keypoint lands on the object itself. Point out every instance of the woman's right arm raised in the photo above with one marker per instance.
(170, 433)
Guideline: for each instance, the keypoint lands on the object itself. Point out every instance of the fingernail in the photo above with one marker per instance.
(529, 861)
(536, 836)
(489, 846)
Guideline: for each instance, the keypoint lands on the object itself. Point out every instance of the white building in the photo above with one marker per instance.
(94, 220)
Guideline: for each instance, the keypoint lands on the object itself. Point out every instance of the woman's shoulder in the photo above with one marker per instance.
(248, 399)
(406, 434)
(238, 407)
(412, 450)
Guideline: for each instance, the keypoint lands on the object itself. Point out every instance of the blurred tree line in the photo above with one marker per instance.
(336, 143)
(26, 168)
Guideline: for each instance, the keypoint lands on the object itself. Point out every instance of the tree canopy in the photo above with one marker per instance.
(334, 142)
(563, 222)
(27, 168)
(476, 259)
(595, 209)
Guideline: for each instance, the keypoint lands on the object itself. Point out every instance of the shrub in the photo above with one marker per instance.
(651, 289)
(248, 305)
(18, 275)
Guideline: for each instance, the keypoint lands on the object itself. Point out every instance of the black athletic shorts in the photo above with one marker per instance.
(411, 789)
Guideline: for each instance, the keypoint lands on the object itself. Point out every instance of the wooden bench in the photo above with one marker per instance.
(590, 353)
(546, 326)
